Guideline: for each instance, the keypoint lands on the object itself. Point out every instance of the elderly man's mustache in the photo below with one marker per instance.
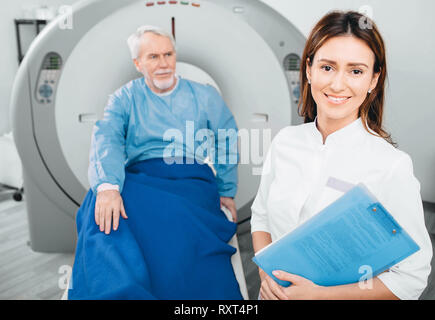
(162, 71)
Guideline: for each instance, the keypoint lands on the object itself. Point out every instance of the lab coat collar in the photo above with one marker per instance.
(350, 134)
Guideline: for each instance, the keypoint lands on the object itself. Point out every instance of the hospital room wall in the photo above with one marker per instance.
(408, 30)
(10, 10)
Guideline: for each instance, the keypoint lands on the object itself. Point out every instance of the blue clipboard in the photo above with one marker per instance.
(351, 238)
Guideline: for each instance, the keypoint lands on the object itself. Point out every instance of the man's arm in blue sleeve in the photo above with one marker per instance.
(222, 123)
(107, 155)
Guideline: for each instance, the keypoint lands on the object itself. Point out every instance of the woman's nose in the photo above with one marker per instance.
(338, 82)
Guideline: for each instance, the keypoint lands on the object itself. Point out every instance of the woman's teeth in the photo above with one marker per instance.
(337, 99)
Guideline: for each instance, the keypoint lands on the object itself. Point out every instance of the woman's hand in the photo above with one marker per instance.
(300, 288)
(270, 290)
(108, 206)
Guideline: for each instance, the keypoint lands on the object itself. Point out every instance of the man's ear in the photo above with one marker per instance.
(137, 65)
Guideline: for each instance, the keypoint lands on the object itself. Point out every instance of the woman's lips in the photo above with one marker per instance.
(337, 99)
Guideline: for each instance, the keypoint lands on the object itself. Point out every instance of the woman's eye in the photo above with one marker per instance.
(326, 68)
(357, 72)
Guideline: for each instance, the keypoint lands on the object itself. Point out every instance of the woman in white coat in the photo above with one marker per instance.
(342, 143)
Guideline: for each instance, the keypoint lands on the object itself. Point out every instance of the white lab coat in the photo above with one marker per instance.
(294, 188)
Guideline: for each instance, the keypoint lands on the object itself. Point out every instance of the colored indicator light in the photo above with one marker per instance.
(149, 4)
(173, 2)
(161, 2)
(196, 5)
(184, 2)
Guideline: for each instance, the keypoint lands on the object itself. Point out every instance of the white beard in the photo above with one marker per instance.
(160, 84)
(164, 84)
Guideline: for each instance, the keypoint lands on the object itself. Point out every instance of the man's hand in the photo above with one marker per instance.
(229, 203)
(108, 206)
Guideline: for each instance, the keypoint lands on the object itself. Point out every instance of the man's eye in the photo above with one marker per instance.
(153, 56)
(169, 54)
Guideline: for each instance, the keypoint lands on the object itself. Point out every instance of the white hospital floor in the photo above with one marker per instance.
(25, 274)
(29, 275)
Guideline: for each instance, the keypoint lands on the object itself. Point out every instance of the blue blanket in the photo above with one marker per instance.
(172, 246)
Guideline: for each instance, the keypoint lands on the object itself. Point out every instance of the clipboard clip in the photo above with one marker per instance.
(375, 208)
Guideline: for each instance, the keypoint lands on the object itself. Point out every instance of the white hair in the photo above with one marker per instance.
(135, 39)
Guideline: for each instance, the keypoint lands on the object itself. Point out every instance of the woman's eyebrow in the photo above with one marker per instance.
(327, 61)
(350, 64)
(356, 64)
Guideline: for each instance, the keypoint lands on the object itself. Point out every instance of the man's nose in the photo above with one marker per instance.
(338, 82)
(162, 61)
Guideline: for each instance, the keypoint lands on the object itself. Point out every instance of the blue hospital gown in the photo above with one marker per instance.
(192, 122)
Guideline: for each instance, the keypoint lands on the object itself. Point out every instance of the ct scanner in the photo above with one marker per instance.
(245, 48)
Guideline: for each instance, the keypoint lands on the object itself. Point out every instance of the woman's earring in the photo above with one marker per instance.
(309, 81)
(370, 91)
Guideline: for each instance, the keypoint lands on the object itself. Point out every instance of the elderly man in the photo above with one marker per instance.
(173, 243)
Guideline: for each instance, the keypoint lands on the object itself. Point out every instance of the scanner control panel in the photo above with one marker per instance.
(48, 78)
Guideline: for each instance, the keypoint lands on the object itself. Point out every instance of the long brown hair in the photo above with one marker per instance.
(339, 23)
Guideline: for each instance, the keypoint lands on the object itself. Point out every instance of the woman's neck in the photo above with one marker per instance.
(327, 126)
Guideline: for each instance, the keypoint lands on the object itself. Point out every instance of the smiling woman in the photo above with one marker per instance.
(344, 64)
(343, 72)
